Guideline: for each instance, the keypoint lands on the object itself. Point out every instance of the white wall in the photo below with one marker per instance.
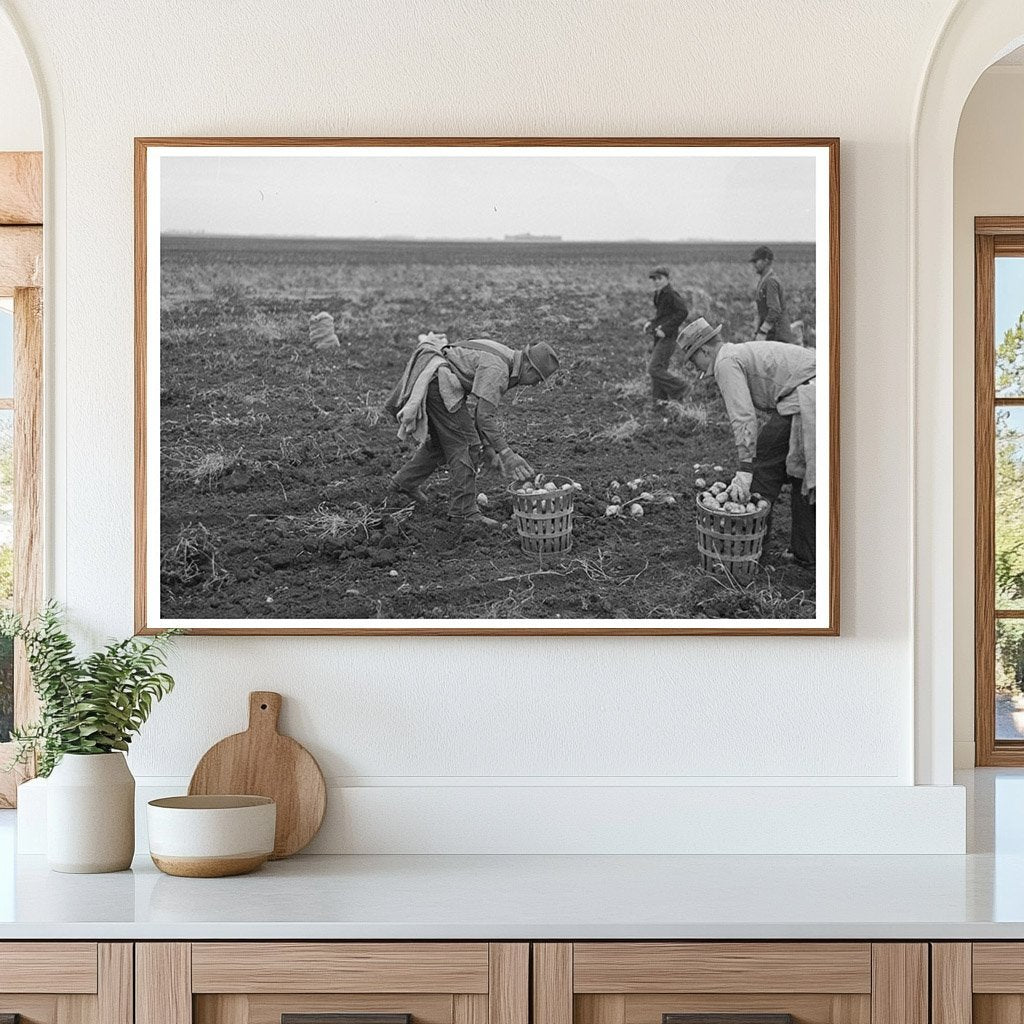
(452, 713)
(987, 181)
(21, 127)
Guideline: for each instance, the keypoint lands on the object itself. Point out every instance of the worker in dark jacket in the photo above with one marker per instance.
(669, 315)
(772, 322)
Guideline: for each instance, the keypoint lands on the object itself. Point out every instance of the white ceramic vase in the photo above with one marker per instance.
(90, 814)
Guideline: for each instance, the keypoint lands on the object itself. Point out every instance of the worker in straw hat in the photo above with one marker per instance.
(775, 378)
(447, 399)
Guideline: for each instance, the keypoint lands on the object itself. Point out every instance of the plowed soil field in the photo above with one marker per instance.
(275, 458)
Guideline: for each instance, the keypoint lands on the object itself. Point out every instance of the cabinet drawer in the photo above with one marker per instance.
(730, 983)
(634, 967)
(65, 967)
(340, 967)
(66, 982)
(332, 983)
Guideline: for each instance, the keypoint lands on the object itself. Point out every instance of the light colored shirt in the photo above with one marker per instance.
(756, 375)
(485, 369)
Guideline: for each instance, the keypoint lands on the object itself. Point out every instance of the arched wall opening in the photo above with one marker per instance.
(986, 182)
(976, 34)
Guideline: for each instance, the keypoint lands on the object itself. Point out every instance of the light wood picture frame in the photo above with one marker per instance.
(266, 462)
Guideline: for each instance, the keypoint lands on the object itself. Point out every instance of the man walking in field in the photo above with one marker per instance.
(448, 400)
(669, 315)
(772, 322)
(775, 378)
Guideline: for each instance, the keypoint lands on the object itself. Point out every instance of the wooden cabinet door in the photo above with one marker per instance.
(332, 983)
(66, 982)
(978, 983)
(730, 983)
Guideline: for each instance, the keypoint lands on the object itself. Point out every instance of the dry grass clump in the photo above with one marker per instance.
(688, 415)
(621, 431)
(638, 387)
(192, 559)
(325, 522)
(202, 468)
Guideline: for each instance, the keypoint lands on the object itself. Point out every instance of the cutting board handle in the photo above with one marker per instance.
(264, 710)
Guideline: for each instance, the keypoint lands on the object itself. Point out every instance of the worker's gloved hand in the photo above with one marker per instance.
(739, 489)
(514, 467)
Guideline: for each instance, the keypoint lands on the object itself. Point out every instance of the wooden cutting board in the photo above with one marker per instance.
(262, 762)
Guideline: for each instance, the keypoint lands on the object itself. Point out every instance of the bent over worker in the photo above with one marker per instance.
(778, 379)
(448, 400)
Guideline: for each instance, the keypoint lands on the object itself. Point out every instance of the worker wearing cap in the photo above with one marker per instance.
(459, 409)
(669, 315)
(772, 319)
(766, 377)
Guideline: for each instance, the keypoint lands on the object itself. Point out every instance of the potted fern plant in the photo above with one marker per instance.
(90, 708)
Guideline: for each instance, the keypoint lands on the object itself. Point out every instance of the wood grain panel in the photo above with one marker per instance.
(267, 1009)
(469, 1009)
(805, 1008)
(21, 259)
(593, 1009)
(76, 1009)
(998, 967)
(899, 992)
(339, 967)
(21, 188)
(508, 992)
(65, 967)
(951, 983)
(228, 1009)
(115, 983)
(33, 1009)
(633, 967)
(163, 983)
(984, 502)
(999, 225)
(552, 983)
(998, 1009)
(28, 483)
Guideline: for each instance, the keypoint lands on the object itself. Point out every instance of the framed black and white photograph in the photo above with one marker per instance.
(506, 386)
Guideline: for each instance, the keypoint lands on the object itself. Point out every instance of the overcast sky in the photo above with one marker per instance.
(578, 194)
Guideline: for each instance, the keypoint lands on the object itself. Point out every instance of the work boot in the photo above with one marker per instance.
(406, 496)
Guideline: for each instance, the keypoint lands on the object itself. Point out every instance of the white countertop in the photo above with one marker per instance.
(977, 896)
(517, 897)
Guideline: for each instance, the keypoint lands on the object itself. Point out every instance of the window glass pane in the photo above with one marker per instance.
(1009, 317)
(1009, 539)
(6, 567)
(6, 352)
(1009, 679)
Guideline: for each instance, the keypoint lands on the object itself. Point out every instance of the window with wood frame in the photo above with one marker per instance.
(999, 490)
(21, 365)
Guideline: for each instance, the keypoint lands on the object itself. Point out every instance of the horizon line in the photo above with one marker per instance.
(536, 240)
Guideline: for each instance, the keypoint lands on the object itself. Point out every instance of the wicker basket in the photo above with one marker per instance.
(732, 541)
(544, 521)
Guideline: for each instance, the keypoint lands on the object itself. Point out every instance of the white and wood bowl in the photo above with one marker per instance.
(211, 836)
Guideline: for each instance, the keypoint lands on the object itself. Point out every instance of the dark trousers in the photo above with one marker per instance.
(452, 440)
(769, 476)
(664, 383)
